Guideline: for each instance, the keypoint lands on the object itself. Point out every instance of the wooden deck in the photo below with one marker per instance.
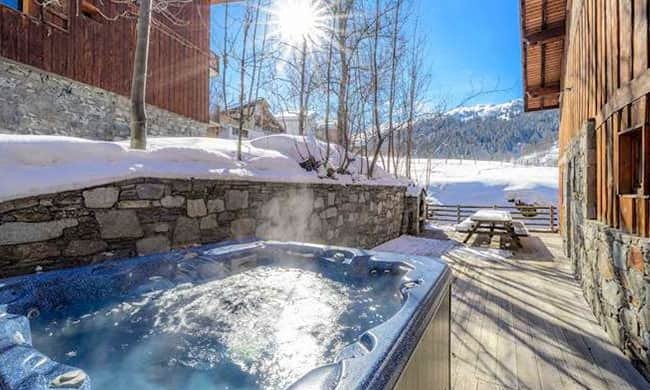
(522, 323)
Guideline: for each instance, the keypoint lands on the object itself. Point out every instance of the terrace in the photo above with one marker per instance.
(520, 320)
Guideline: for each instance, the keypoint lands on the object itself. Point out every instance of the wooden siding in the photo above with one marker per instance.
(606, 78)
(100, 52)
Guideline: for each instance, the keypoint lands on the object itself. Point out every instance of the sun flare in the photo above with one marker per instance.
(299, 21)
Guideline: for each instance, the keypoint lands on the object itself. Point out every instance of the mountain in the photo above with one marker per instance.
(487, 132)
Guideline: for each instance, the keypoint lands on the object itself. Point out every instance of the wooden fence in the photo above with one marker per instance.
(536, 218)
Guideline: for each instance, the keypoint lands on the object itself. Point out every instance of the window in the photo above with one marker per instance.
(631, 162)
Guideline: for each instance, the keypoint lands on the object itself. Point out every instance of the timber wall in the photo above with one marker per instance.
(605, 166)
(606, 79)
(99, 52)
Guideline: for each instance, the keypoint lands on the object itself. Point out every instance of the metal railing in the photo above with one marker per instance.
(536, 218)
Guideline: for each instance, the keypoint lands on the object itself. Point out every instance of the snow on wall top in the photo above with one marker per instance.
(32, 165)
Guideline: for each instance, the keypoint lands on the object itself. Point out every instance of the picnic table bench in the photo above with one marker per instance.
(495, 222)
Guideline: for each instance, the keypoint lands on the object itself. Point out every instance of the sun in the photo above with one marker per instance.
(298, 22)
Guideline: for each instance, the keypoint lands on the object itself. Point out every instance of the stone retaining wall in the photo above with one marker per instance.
(144, 216)
(36, 102)
(613, 266)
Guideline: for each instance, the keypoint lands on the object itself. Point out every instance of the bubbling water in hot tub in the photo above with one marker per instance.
(264, 327)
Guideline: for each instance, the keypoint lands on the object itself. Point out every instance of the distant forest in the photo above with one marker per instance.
(487, 136)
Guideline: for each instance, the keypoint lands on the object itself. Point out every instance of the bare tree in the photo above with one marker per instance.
(167, 9)
(139, 81)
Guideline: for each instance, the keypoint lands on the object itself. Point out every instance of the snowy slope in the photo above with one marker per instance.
(32, 165)
(547, 157)
(486, 132)
(504, 111)
(487, 182)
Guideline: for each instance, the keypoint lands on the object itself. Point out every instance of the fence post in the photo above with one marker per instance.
(552, 218)
(457, 214)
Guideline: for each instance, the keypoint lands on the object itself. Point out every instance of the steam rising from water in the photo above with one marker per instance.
(288, 216)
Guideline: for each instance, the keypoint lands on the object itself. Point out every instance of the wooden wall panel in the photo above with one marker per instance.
(100, 53)
(606, 77)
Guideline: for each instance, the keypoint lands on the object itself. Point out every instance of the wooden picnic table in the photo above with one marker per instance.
(495, 222)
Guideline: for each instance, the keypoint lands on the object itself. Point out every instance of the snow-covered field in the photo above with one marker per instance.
(31, 165)
(487, 182)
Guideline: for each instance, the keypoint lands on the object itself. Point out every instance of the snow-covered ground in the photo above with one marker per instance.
(416, 246)
(31, 165)
(487, 182)
(438, 248)
(547, 158)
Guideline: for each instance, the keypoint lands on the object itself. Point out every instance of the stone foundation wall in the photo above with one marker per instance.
(144, 216)
(36, 102)
(612, 266)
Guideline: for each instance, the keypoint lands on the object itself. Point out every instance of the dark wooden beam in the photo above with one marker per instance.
(546, 35)
(547, 90)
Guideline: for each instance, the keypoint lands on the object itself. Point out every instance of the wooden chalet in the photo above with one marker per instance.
(77, 39)
(590, 59)
(258, 120)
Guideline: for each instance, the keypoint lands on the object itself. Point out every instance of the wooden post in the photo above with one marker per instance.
(457, 214)
(552, 219)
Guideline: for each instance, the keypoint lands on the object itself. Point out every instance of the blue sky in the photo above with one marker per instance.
(471, 45)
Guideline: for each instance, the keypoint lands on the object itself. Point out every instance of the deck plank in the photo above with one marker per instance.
(522, 323)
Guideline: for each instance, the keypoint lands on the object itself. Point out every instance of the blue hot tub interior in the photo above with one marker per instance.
(243, 316)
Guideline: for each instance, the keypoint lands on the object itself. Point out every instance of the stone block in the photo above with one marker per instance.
(101, 198)
(330, 212)
(196, 208)
(172, 201)
(5, 207)
(319, 203)
(150, 191)
(612, 293)
(84, 247)
(29, 252)
(134, 204)
(24, 232)
(315, 223)
(236, 199)
(331, 198)
(154, 244)
(25, 203)
(209, 222)
(216, 205)
(186, 231)
(119, 224)
(635, 259)
(161, 227)
(243, 227)
(619, 254)
(637, 286)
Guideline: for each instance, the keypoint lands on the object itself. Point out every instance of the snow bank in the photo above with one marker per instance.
(32, 165)
(486, 183)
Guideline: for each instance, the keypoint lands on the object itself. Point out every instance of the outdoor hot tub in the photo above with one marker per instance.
(245, 315)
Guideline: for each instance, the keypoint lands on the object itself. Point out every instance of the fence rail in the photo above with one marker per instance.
(536, 218)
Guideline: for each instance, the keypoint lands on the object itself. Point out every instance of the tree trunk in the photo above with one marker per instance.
(303, 69)
(139, 81)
